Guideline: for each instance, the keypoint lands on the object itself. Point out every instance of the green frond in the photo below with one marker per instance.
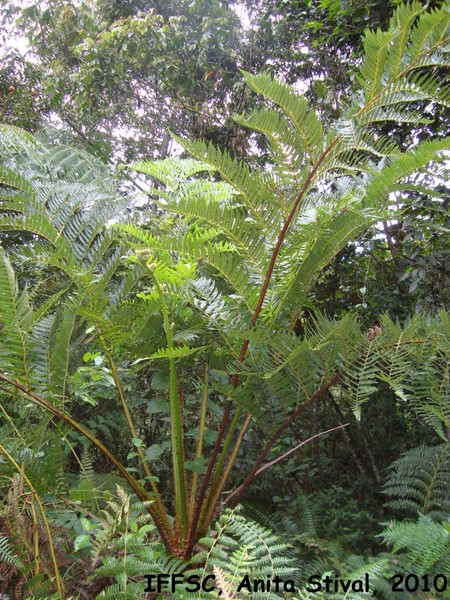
(376, 46)
(43, 459)
(86, 466)
(42, 254)
(425, 544)
(16, 318)
(283, 372)
(172, 171)
(361, 379)
(215, 204)
(118, 591)
(142, 559)
(292, 531)
(177, 352)
(237, 545)
(15, 138)
(415, 364)
(38, 587)
(40, 340)
(14, 180)
(307, 125)
(285, 143)
(388, 76)
(39, 225)
(389, 105)
(78, 166)
(222, 257)
(7, 554)
(134, 274)
(254, 191)
(317, 246)
(64, 196)
(420, 481)
(115, 250)
(243, 547)
(63, 328)
(391, 176)
(361, 141)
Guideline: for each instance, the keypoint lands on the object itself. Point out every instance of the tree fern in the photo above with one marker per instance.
(235, 263)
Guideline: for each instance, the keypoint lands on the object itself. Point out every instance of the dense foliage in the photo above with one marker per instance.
(258, 333)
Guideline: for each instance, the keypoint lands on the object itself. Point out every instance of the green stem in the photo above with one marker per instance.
(217, 489)
(219, 467)
(129, 420)
(176, 425)
(201, 432)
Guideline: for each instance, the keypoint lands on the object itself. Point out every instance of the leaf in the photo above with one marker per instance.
(158, 406)
(154, 451)
(81, 541)
(196, 466)
(178, 352)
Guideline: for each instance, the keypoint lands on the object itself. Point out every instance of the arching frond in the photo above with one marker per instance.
(307, 125)
(390, 75)
(422, 545)
(420, 481)
(15, 317)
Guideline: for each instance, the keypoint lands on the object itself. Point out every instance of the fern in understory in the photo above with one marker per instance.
(420, 481)
(236, 545)
(422, 546)
(7, 554)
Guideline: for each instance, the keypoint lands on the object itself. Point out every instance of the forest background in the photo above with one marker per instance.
(111, 81)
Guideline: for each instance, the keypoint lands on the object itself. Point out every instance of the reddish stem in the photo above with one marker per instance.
(198, 504)
(206, 480)
(243, 487)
